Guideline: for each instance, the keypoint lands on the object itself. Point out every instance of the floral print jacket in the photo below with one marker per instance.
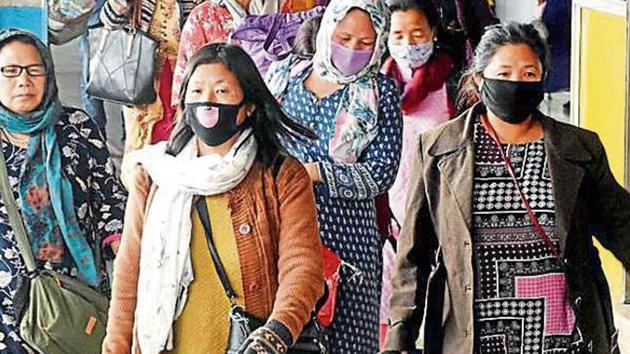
(99, 204)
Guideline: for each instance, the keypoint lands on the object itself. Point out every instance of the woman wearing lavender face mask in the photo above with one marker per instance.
(421, 69)
(355, 112)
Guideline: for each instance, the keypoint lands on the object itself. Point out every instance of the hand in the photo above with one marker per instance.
(132, 174)
(114, 246)
(263, 341)
(313, 171)
(135, 179)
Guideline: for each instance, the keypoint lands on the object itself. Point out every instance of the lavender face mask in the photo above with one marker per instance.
(349, 61)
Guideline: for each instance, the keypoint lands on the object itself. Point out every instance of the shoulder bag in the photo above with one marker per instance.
(57, 314)
(242, 323)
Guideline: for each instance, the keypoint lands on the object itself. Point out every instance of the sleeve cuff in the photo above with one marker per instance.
(399, 338)
(111, 238)
(327, 177)
(281, 330)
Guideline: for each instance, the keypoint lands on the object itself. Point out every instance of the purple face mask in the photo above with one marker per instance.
(349, 61)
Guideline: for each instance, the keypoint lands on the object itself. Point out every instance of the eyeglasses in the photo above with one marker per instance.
(16, 70)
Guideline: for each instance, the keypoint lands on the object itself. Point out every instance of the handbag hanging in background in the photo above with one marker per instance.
(68, 19)
(123, 64)
(270, 37)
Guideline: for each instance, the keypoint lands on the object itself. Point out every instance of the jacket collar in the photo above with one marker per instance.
(454, 148)
(457, 135)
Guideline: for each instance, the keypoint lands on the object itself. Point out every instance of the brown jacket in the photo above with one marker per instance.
(277, 237)
(433, 281)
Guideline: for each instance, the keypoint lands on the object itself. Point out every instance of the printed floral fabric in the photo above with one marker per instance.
(99, 204)
(208, 23)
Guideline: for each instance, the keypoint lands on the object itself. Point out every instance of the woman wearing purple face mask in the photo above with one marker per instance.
(355, 112)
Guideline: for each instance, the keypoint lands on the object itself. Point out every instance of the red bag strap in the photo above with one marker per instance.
(508, 166)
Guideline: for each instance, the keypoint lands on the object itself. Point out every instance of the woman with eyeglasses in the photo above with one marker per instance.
(58, 166)
(497, 251)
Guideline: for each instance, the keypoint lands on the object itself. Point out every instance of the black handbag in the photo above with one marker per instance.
(123, 64)
(242, 323)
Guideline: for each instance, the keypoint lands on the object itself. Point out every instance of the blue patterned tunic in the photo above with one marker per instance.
(99, 203)
(345, 205)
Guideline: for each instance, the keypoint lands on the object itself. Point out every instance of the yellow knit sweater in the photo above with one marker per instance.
(203, 326)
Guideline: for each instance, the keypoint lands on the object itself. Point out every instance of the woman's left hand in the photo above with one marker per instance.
(313, 171)
(263, 341)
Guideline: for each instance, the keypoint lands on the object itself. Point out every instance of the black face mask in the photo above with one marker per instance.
(512, 101)
(213, 123)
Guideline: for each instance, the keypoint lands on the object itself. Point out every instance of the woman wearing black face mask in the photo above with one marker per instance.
(223, 168)
(496, 255)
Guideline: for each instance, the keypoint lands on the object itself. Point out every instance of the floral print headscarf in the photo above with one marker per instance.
(357, 116)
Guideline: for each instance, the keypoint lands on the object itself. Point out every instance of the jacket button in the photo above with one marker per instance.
(466, 243)
(244, 229)
(254, 287)
(468, 288)
(578, 301)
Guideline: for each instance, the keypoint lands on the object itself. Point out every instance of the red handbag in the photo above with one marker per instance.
(332, 262)
(332, 269)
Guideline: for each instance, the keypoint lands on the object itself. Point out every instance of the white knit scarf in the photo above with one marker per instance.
(165, 264)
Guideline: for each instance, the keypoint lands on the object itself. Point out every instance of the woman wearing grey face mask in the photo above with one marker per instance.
(496, 249)
(421, 69)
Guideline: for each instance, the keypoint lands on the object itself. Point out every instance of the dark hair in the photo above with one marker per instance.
(494, 38)
(22, 38)
(305, 42)
(15, 35)
(427, 7)
(268, 120)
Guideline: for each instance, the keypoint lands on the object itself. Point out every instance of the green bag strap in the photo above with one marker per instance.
(14, 217)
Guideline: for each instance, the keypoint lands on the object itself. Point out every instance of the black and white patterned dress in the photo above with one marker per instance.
(521, 303)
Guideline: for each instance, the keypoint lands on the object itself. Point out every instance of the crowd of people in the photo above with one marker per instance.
(401, 137)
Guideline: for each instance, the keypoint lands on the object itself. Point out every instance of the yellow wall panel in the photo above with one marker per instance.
(602, 94)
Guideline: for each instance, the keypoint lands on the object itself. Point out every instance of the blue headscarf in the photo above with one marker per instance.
(46, 194)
